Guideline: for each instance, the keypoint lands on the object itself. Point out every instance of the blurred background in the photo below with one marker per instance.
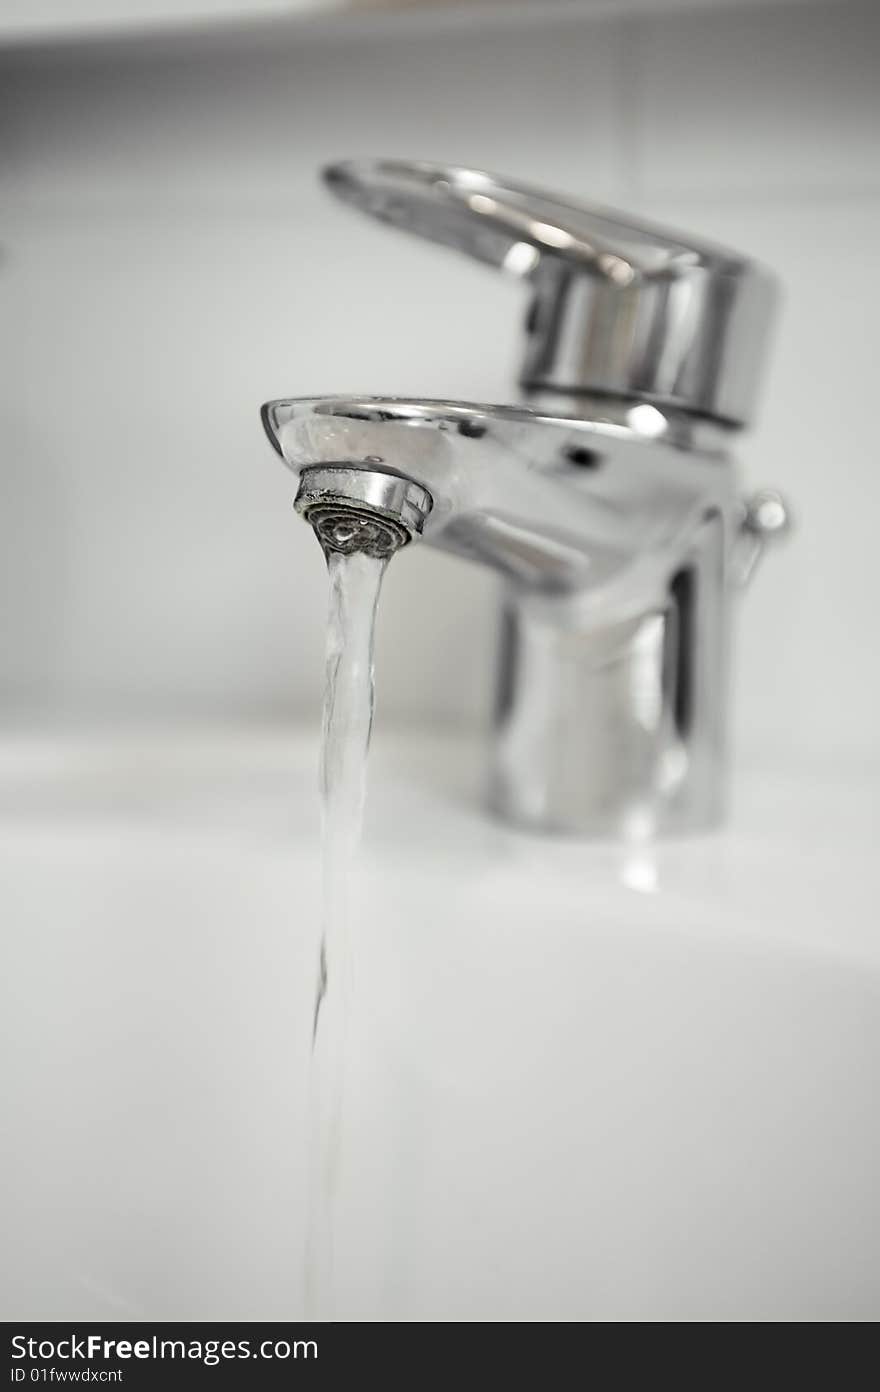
(169, 261)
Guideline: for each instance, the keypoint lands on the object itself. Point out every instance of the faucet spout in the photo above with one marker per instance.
(614, 537)
(553, 504)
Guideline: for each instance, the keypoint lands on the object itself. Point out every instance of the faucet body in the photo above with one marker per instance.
(611, 513)
(615, 552)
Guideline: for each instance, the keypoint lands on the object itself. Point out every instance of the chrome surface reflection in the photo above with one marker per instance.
(609, 504)
(619, 306)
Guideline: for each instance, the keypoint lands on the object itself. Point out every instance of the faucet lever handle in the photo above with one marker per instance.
(621, 307)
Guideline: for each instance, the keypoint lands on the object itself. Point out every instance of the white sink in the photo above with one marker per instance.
(584, 1084)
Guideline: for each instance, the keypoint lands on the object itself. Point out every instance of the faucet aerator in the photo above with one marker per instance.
(356, 509)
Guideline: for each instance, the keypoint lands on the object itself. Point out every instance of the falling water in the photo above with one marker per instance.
(355, 582)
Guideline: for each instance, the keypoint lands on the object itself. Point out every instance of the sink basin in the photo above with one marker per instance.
(584, 1082)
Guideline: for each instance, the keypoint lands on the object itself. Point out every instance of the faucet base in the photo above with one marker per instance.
(615, 728)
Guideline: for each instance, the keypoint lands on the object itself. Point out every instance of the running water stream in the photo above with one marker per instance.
(355, 582)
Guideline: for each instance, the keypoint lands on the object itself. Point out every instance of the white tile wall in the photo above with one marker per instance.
(758, 105)
(168, 261)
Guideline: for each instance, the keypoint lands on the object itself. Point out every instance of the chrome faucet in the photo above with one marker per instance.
(608, 502)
